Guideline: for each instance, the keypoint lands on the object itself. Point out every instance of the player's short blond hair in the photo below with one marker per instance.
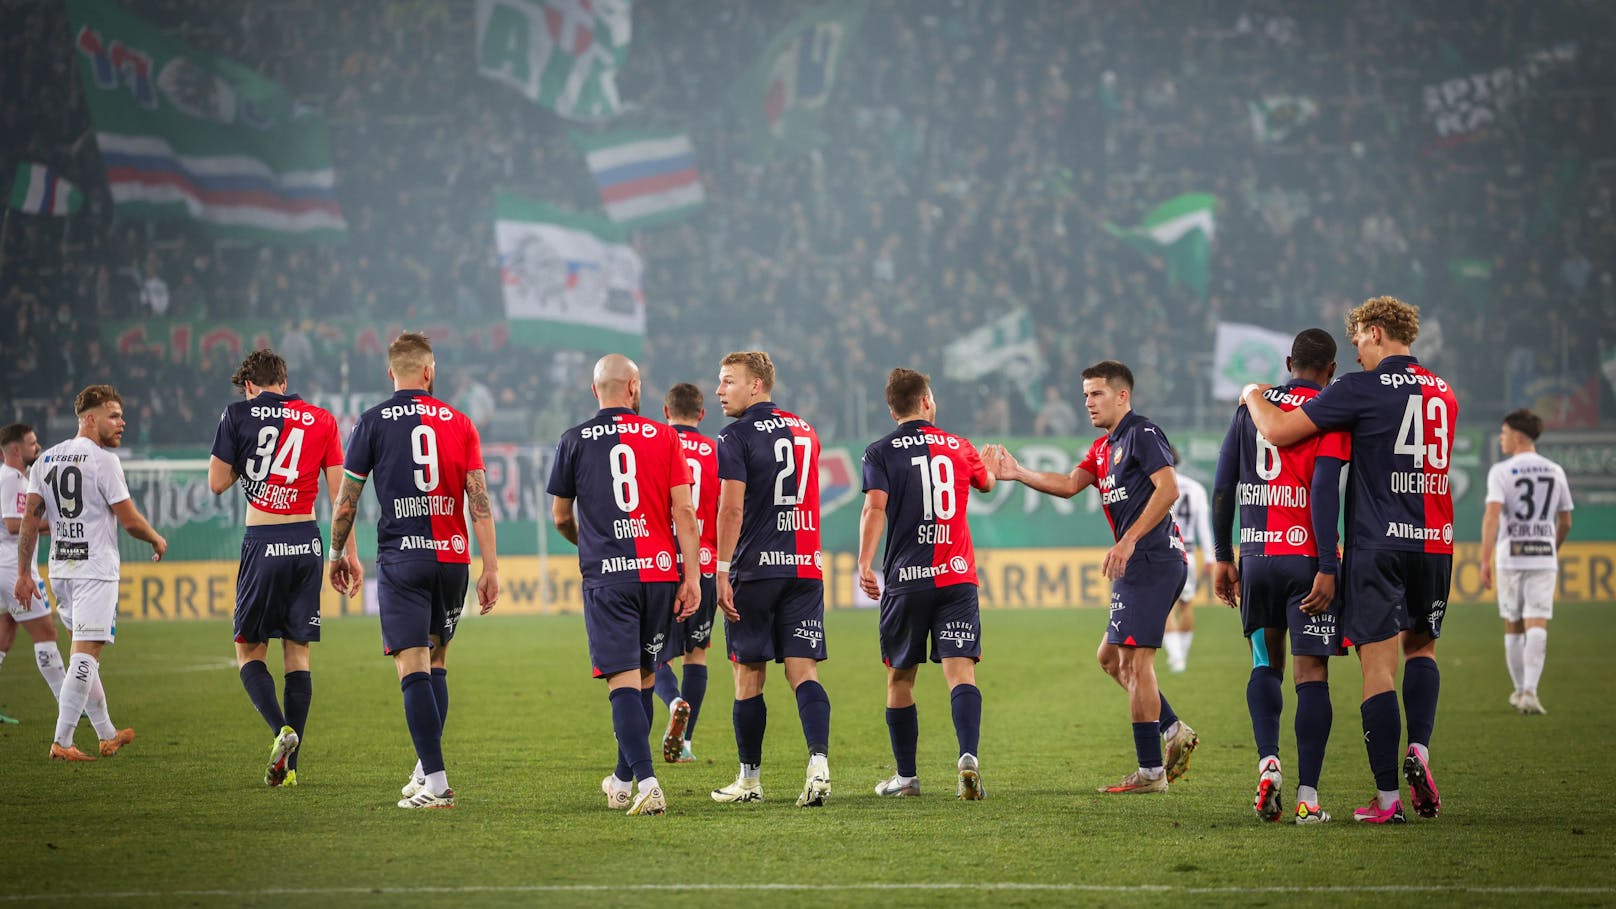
(409, 353)
(94, 396)
(757, 362)
(1400, 321)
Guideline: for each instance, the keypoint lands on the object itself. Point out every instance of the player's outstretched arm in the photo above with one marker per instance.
(345, 570)
(1281, 427)
(222, 476)
(138, 527)
(27, 544)
(482, 527)
(872, 523)
(1005, 466)
(731, 505)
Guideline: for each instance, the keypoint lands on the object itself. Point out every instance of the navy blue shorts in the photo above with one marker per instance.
(630, 626)
(278, 584)
(1142, 599)
(1385, 591)
(948, 618)
(1272, 589)
(696, 632)
(418, 599)
(780, 617)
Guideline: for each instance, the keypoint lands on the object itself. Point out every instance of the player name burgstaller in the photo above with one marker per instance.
(423, 506)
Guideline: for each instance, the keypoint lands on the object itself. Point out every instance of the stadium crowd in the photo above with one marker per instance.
(975, 151)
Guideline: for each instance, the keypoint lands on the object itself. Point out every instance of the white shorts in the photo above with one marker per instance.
(1191, 579)
(1526, 594)
(89, 606)
(38, 608)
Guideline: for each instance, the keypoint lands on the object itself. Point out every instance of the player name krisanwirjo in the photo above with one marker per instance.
(1271, 496)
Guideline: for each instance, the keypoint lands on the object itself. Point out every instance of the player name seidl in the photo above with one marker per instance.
(933, 534)
(1408, 481)
(424, 507)
(1267, 496)
(794, 520)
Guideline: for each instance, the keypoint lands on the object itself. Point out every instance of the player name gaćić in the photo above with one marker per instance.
(424, 507)
(1419, 483)
(1270, 496)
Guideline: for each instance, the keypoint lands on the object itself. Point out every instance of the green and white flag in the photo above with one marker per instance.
(1180, 231)
(1244, 354)
(1007, 345)
(570, 279)
(1274, 117)
(38, 189)
(782, 97)
(563, 54)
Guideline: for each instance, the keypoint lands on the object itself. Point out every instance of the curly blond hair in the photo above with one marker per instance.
(1400, 321)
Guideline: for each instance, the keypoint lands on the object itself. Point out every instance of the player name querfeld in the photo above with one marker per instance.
(1408, 481)
(1266, 496)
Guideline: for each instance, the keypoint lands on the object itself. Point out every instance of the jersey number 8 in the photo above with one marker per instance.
(625, 485)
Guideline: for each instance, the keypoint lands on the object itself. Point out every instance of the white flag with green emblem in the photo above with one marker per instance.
(563, 54)
(1247, 353)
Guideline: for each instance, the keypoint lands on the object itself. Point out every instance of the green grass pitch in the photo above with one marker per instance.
(182, 817)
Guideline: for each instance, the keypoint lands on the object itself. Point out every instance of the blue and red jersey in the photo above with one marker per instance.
(701, 455)
(279, 445)
(417, 450)
(1273, 486)
(928, 475)
(620, 469)
(1122, 463)
(776, 454)
(1402, 418)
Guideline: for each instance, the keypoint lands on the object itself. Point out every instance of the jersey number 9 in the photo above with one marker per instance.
(424, 449)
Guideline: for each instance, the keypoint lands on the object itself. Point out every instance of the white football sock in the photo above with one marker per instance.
(1307, 794)
(749, 771)
(2, 657)
(1512, 657)
(420, 772)
(649, 783)
(1170, 643)
(1386, 797)
(1151, 773)
(51, 666)
(438, 783)
(96, 707)
(1170, 731)
(1186, 638)
(1422, 751)
(1532, 655)
(81, 675)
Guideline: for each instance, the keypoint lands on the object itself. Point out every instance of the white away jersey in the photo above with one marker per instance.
(80, 482)
(1532, 491)
(1193, 513)
(13, 497)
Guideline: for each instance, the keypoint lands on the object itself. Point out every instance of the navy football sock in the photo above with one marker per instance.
(694, 691)
(966, 701)
(667, 684)
(440, 692)
(426, 724)
(1147, 743)
(299, 691)
(633, 729)
(1421, 682)
(903, 728)
(1265, 699)
(1168, 717)
(1313, 717)
(648, 701)
(751, 717)
(1383, 729)
(260, 687)
(813, 708)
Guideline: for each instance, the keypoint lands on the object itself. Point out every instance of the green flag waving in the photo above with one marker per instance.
(1180, 231)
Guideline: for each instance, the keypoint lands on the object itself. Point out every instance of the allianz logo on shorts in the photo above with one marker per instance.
(419, 542)
(810, 630)
(283, 550)
(775, 557)
(1406, 531)
(662, 561)
(960, 634)
(955, 565)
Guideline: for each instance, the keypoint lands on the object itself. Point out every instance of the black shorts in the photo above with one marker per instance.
(1386, 591)
(1142, 599)
(780, 617)
(948, 618)
(278, 584)
(696, 632)
(418, 599)
(1272, 589)
(630, 626)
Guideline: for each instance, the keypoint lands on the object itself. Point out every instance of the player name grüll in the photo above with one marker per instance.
(794, 520)
(1419, 483)
(424, 507)
(1267, 496)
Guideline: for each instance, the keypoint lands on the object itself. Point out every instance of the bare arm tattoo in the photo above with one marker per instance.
(477, 495)
(342, 517)
(28, 541)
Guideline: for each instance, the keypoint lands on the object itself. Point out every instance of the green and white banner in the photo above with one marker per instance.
(570, 279)
(782, 98)
(1180, 232)
(1247, 353)
(1275, 117)
(563, 54)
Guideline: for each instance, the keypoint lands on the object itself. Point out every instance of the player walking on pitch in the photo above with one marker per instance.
(20, 448)
(428, 463)
(917, 484)
(621, 487)
(1132, 466)
(1398, 557)
(277, 445)
(693, 636)
(1288, 500)
(1529, 499)
(79, 491)
(768, 549)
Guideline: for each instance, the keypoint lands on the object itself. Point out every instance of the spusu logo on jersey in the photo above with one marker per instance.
(696, 445)
(602, 430)
(925, 438)
(261, 412)
(441, 412)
